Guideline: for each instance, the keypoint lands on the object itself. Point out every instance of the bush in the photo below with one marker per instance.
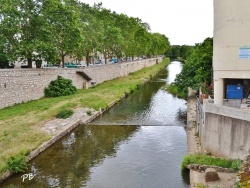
(175, 90)
(89, 112)
(60, 87)
(63, 114)
(16, 164)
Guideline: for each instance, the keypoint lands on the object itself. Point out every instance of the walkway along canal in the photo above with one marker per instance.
(139, 142)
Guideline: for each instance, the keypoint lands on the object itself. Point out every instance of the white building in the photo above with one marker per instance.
(231, 52)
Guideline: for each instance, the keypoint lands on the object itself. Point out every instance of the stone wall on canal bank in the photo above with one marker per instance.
(22, 85)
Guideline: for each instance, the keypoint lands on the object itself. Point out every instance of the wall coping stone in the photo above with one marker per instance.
(227, 111)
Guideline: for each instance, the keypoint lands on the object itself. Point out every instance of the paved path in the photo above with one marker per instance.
(194, 146)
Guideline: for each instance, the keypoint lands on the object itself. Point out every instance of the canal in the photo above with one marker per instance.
(138, 143)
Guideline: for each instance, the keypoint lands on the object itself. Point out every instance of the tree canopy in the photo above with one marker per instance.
(197, 70)
(52, 29)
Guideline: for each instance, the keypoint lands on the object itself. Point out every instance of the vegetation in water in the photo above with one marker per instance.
(173, 88)
(211, 161)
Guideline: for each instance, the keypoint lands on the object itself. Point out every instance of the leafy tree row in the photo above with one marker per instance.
(178, 51)
(197, 70)
(52, 29)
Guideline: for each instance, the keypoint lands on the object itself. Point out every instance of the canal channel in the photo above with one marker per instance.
(138, 143)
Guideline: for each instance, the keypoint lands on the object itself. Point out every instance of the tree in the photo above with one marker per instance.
(20, 26)
(159, 44)
(92, 31)
(198, 67)
(4, 62)
(64, 26)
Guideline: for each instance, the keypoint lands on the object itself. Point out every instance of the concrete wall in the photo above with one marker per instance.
(231, 34)
(225, 132)
(21, 85)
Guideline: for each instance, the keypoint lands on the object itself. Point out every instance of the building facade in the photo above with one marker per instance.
(231, 50)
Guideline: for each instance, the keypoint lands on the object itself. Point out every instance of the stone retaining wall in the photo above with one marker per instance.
(202, 168)
(224, 132)
(22, 85)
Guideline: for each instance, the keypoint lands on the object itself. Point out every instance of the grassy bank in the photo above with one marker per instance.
(211, 161)
(20, 125)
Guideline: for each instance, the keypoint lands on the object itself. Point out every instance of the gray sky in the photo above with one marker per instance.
(182, 21)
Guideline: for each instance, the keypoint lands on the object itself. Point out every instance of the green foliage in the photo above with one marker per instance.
(197, 70)
(16, 164)
(4, 63)
(174, 89)
(60, 87)
(53, 29)
(65, 113)
(210, 160)
(177, 51)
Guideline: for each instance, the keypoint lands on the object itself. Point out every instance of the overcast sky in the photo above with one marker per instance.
(182, 21)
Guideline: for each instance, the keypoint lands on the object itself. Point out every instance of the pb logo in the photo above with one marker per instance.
(30, 176)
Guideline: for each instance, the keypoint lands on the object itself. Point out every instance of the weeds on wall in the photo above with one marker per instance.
(211, 161)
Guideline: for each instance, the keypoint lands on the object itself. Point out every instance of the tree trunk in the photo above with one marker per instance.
(105, 58)
(62, 58)
(29, 59)
(87, 58)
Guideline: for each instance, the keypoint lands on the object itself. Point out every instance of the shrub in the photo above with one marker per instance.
(63, 114)
(89, 112)
(16, 164)
(60, 87)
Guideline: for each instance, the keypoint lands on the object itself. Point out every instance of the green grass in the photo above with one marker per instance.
(211, 161)
(20, 125)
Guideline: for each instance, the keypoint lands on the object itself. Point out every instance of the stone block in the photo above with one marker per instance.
(211, 175)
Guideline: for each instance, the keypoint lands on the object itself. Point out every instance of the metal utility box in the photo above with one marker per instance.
(234, 92)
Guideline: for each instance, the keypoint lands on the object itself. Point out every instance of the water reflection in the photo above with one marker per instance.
(69, 162)
(151, 158)
(173, 69)
(150, 106)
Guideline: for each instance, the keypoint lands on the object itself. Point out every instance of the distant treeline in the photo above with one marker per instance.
(178, 51)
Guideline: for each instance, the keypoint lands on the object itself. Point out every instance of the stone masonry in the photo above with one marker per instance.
(22, 85)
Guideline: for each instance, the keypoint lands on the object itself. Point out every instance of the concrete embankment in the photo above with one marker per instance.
(227, 180)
